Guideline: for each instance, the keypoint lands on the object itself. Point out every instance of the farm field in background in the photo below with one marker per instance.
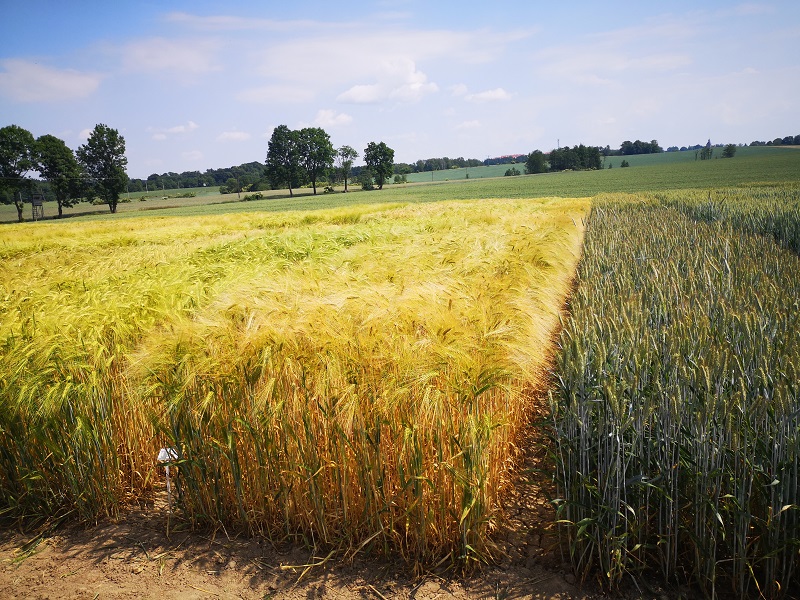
(648, 173)
(351, 376)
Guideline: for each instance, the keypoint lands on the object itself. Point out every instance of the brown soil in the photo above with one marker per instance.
(132, 557)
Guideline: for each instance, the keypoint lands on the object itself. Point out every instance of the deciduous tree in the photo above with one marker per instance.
(103, 158)
(536, 163)
(344, 160)
(316, 153)
(57, 164)
(16, 147)
(380, 160)
(283, 158)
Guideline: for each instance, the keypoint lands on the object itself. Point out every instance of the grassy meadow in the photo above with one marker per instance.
(356, 377)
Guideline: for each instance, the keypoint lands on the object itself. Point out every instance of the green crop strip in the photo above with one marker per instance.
(676, 418)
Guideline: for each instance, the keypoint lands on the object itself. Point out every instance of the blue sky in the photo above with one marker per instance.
(197, 85)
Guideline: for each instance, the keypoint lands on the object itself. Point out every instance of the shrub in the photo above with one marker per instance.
(729, 151)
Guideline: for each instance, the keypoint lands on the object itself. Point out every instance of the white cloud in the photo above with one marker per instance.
(233, 136)
(398, 79)
(474, 124)
(458, 89)
(160, 133)
(489, 96)
(326, 59)
(363, 94)
(233, 23)
(289, 94)
(186, 57)
(192, 155)
(84, 134)
(614, 56)
(330, 118)
(593, 65)
(27, 81)
(190, 126)
(752, 9)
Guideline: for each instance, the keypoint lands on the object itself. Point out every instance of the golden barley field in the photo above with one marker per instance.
(357, 378)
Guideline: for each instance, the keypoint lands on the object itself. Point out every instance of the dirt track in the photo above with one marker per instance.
(133, 557)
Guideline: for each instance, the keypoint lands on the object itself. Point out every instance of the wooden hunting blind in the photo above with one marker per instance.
(37, 206)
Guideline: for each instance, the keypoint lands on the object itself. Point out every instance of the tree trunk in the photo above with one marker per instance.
(345, 184)
(112, 207)
(60, 209)
(290, 191)
(314, 185)
(20, 205)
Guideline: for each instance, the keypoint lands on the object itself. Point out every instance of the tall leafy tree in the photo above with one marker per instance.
(57, 164)
(103, 158)
(536, 163)
(344, 160)
(316, 153)
(283, 158)
(380, 160)
(16, 147)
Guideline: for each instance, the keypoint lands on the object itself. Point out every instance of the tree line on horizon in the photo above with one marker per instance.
(95, 170)
(294, 158)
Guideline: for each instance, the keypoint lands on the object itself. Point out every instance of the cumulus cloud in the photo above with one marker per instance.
(28, 81)
(458, 90)
(328, 57)
(398, 79)
(84, 134)
(233, 136)
(160, 133)
(488, 96)
(363, 94)
(330, 118)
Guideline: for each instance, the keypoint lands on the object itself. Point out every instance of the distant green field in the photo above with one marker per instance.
(466, 173)
(612, 161)
(656, 172)
(159, 194)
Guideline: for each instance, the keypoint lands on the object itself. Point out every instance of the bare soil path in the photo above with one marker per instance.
(132, 557)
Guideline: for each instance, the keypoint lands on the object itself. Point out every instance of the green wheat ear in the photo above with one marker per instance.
(676, 422)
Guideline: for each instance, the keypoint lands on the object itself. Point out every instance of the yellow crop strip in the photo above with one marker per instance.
(346, 375)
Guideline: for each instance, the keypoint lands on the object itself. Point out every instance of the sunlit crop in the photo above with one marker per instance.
(354, 377)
